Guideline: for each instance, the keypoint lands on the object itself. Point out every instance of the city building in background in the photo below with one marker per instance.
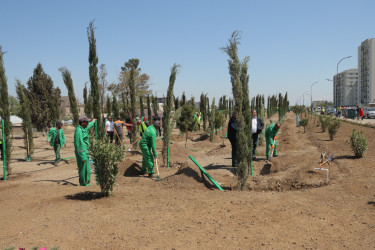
(345, 88)
(366, 70)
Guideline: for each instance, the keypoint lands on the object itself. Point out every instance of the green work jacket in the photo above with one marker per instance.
(82, 141)
(271, 132)
(52, 136)
(149, 139)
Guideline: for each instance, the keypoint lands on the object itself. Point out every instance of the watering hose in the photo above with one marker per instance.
(205, 173)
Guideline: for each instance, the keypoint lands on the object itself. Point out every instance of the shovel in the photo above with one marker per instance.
(157, 169)
(273, 147)
(28, 157)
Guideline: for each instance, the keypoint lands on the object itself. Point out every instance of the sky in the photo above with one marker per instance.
(291, 43)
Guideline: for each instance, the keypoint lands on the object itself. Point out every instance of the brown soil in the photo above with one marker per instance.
(287, 205)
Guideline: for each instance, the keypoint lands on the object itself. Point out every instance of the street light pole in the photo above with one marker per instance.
(337, 77)
(311, 94)
(304, 97)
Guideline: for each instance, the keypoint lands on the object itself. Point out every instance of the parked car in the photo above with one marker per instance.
(369, 112)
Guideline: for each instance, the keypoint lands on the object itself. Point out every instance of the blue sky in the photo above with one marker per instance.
(291, 43)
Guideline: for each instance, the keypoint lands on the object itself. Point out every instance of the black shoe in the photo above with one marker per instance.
(151, 175)
(275, 156)
(254, 158)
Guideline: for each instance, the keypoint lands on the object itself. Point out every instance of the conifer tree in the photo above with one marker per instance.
(212, 120)
(25, 115)
(149, 109)
(89, 106)
(115, 108)
(5, 112)
(183, 99)
(72, 98)
(109, 107)
(141, 106)
(185, 122)
(85, 101)
(57, 103)
(167, 130)
(155, 106)
(176, 103)
(192, 102)
(239, 79)
(203, 110)
(94, 79)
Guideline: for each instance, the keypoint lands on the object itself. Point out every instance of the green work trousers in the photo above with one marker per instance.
(269, 143)
(57, 148)
(84, 171)
(147, 160)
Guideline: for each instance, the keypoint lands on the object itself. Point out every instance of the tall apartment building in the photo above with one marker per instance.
(366, 70)
(345, 85)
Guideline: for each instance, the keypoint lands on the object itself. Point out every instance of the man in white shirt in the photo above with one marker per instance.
(257, 126)
(109, 128)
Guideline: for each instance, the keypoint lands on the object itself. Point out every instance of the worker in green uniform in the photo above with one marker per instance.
(199, 120)
(271, 132)
(148, 148)
(56, 139)
(81, 146)
(142, 126)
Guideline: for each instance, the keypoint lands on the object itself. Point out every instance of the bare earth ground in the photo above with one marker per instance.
(288, 204)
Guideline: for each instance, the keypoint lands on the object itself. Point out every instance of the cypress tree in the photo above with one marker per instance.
(176, 103)
(239, 77)
(185, 122)
(89, 105)
(41, 95)
(5, 112)
(57, 103)
(115, 108)
(109, 107)
(85, 100)
(155, 105)
(25, 115)
(192, 102)
(183, 99)
(167, 130)
(141, 107)
(125, 107)
(212, 120)
(149, 108)
(94, 79)
(203, 110)
(72, 98)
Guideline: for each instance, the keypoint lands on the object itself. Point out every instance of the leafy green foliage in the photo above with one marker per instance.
(358, 143)
(72, 98)
(304, 123)
(141, 106)
(333, 126)
(5, 112)
(324, 121)
(106, 157)
(203, 110)
(212, 120)
(109, 107)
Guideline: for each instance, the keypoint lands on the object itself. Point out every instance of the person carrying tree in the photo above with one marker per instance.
(81, 148)
(148, 148)
(142, 126)
(271, 139)
(232, 136)
(257, 126)
(56, 139)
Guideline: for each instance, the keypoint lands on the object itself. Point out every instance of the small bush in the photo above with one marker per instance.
(304, 123)
(333, 126)
(106, 157)
(358, 142)
(324, 121)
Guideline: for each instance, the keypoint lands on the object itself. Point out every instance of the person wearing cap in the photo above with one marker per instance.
(142, 126)
(56, 139)
(81, 148)
(109, 128)
(148, 148)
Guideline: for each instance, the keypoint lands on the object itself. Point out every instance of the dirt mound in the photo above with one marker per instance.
(185, 178)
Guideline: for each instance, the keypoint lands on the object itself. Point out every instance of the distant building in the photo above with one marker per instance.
(66, 114)
(366, 69)
(345, 88)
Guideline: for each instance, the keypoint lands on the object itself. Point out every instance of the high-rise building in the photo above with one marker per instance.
(345, 88)
(366, 70)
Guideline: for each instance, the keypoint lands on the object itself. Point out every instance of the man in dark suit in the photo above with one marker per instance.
(257, 126)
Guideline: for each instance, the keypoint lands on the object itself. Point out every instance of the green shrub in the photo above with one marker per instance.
(358, 143)
(304, 123)
(106, 157)
(324, 121)
(333, 126)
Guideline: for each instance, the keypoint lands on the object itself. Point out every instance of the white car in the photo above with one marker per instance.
(369, 113)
